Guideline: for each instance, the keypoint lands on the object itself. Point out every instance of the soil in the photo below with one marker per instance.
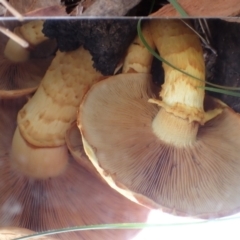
(226, 70)
(113, 38)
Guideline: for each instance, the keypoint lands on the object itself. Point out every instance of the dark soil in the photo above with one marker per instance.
(107, 40)
(226, 70)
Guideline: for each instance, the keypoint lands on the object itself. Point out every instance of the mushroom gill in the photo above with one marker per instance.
(10, 233)
(175, 154)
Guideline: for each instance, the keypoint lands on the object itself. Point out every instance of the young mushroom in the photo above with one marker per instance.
(175, 154)
(22, 68)
(74, 198)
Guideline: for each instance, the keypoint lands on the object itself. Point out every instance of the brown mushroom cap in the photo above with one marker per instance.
(75, 146)
(22, 76)
(199, 180)
(74, 198)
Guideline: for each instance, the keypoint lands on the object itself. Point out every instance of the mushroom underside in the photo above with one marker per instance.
(200, 180)
(9, 233)
(22, 75)
(72, 199)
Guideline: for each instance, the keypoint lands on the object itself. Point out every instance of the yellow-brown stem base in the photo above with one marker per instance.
(37, 163)
(174, 130)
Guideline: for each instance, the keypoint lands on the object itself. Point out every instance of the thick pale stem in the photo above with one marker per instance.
(32, 32)
(138, 58)
(174, 130)
(39, 149)
(38, 163)
(181, 95)
(16, 53)
(46, 117)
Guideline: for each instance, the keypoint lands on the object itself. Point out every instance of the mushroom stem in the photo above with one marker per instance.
(138, 58)
(174, 130)
(16, 53)
(181, 95)
(46, 162)
(32, 33)
(45, 118)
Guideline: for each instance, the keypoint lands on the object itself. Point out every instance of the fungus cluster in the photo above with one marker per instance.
(42, 184)
(177, 150)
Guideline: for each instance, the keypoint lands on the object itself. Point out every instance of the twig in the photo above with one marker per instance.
(206, 41)
(12, 10)
(14, 37)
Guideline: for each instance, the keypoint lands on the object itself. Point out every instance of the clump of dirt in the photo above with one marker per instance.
(106, 40)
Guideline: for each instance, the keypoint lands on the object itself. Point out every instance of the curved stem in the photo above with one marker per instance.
(181, 99)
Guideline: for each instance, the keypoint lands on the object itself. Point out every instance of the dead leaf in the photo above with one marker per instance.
(81, 6)
(25, 6)
(87, 3)
(110, 7)
(203, 8)
(2, 10)
(55, 10)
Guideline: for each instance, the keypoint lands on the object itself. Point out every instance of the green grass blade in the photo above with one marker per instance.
(178, 8)
(122, 226)
(106, 227)
(151, 7)
(223, 91)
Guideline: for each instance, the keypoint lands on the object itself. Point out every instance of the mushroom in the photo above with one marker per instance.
(137, 60)
(10, 233)
(41, 131)
(38, 147)
(41, 177)
(21, 68)
(175, 155)
(74, 198)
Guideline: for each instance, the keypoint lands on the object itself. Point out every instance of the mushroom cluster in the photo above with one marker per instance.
(178, 151)
(42, 186)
